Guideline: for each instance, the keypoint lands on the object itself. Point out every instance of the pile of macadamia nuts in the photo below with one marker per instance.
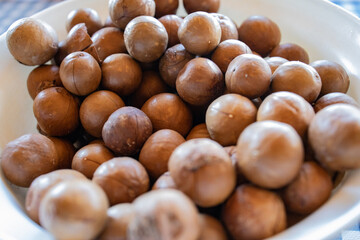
(154, 126)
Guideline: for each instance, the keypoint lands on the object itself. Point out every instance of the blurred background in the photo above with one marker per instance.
(11, 10)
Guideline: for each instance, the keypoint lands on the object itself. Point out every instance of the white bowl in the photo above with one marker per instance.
(325, 30)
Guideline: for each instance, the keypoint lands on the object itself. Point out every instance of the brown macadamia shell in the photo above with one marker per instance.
(27, 157)
(96, 109)
(88, 158)
(227, 51)
(146, 39)
(31, 41)
(310, 189)
(228, 116)
(84, 15)
(121, 74)
(171, 23)
(168, 111)
(334, 98)
(275, 62)
(200, 33)
(299, 78)
(123, 179)
(77, 39)
(228, 27)
(203, 170)
(334, 135)
(200, 82)
(155, 153)
(56, 111)
(212, 229)
(287, 107)
(333, 76)
(260, 33)
(253, 213)
(80, 73)
(126, 130)
(164, 181)
(151, 85)
(211, 6)
(65, 151)
(291, 52)
(123, 11)
(41, 185)
(270, 154)
(43, 77)
(248, 75)
(108, 41)
(171, 63)
(165, 7)
(164, 214)
(198, 131)
(118, 219)
(74, 210)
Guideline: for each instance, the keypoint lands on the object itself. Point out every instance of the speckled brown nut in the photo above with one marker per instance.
(65, 151)
(90, 157)
(227, 51)
(96, 109)
(74, 210)
(164, 214)
(151, 84)
(200, 82)
(77, 39)
(228, 116)
(291, 52)
(228, 27)
(270, 154)
(172, 23)
(333, 76)
(211, 6)
(56, 111)
(275, 62)
(109, 22)
(212, 229)
(84, 15)
(145, 38)
(40, 186)
(155, 153)
(297, 77)
(254, 213)
(260, 33)
(42, 77)
(165, 7)
(173, 60)
(80, 73)
(27, 157)
(248, 75)
(168, 111)
(334, 98)
(334, 136)
(310, 189)
(200, 33)
(107, 41)
(287, 107)
(126, 130)
(118, 220)
(123, 11)
(199, 131)
(31, 41)
(164, 181)
(203, 170)
(121, 74)
(123, 179)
